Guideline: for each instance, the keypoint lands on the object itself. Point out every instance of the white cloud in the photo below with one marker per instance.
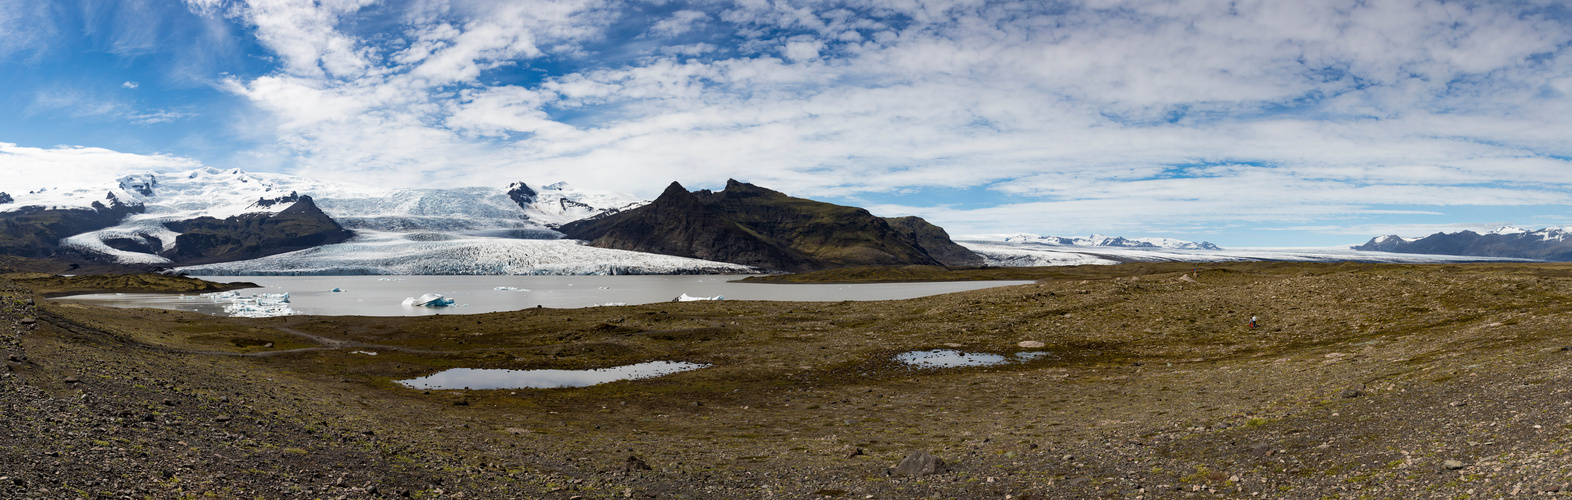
(130, 85)
(24, 26)
(24, 169)
(1199, 111)
(79, 104)
(679, 22)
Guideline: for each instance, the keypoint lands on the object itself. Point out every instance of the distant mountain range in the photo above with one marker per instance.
(209, 221)
(191, 219)
(229, 222)
(1098, 240)
(750, 225)
(1550, 244)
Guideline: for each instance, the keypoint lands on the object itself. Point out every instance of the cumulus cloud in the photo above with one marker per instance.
(1095, 114)
(29, 169)
(680, 22)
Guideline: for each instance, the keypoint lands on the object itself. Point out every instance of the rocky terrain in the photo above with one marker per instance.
(1379, 381)
(249, 236)
(35, 232)
(753, 226)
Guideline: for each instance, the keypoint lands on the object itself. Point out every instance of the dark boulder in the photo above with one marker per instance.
(920, 463)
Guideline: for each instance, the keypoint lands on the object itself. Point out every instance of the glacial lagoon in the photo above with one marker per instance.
(385, 295)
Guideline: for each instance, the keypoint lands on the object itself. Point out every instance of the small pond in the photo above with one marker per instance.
(949, 358)
(473, 378)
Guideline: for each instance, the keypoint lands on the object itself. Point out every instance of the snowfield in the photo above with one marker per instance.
(392, 253)
(466, 220)
(1011, 254)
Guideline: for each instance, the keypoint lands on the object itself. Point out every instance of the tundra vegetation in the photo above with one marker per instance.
(1389, 381)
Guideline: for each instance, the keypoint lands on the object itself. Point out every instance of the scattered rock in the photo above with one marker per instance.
(1452, 465)
(222, 418)
(634, 463)
(461, 403)
(920, 463)
(1030, 344)
(1187, 278)
(28, 321)
(854, 452)
(73, 380)
(1351, 393)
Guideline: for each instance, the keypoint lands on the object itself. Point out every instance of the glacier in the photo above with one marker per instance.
(1018, 253)
(418, 228)
(1095, 240)
(392, 253)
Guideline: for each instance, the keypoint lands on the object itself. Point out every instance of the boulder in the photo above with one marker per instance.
(920, 463)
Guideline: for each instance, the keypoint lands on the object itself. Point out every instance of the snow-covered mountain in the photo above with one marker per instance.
(1551, 243)
(163, 199)
(1018, 254)
(1098, 240)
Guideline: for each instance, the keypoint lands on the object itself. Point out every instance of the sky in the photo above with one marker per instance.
(1244, 123)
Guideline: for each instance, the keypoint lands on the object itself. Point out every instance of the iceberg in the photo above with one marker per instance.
(689, 298)
(264, 305)
(429, 300)
(336, 289)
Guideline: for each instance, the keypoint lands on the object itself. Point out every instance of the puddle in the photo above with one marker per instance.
(473, 378)
(947, 358)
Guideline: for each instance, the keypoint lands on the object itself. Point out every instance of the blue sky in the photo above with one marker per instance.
(1243, 123)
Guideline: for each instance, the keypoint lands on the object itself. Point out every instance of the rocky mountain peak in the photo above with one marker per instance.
(521, 194)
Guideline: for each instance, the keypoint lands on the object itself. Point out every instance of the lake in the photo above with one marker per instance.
(385, 295)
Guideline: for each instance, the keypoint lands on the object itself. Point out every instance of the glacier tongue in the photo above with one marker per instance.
(469, 216)
(372, 252)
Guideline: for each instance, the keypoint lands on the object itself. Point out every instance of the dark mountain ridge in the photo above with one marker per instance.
(36, 231)
(249, 236)
(750, 225)
(1548, 244)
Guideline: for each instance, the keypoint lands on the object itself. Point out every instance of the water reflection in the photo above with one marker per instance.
(949, 358)
(473, 378)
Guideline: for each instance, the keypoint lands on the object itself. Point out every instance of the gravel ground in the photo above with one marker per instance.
(1364, 382)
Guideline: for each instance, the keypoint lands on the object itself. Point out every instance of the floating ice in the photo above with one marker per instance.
(336, 289)
(689, 298)
(264, 305)
(511, 289)
(429, 300)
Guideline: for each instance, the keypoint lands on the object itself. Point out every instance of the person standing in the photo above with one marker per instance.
(1252, 322)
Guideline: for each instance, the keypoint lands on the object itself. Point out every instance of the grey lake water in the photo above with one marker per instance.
(385, 295)
(471, 378)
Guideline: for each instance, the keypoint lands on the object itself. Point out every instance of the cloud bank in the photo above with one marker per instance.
(1073, 116)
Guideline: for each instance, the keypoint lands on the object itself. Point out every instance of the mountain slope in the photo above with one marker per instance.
(750, 225)
(228, 208)
(1551, 244)
(35, 231)
(935, 241)
(679, 223)
(249, 236)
